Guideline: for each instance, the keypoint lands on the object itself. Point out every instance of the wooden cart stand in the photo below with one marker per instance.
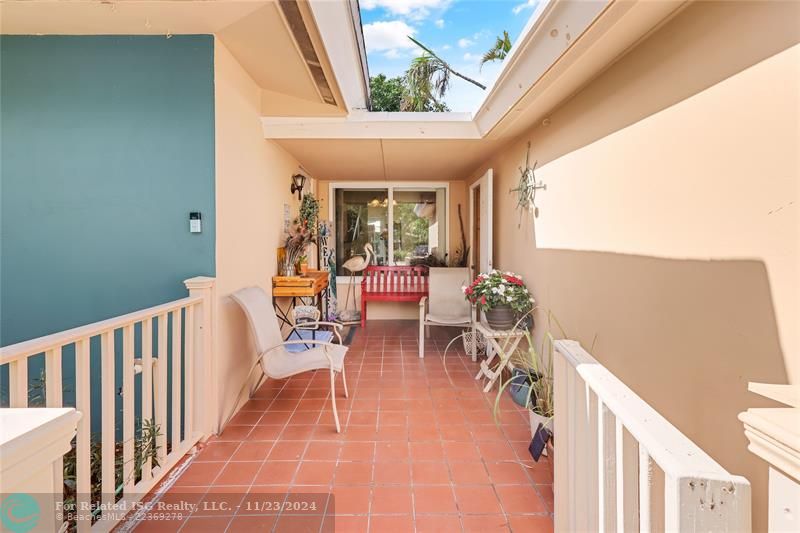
(312, 286)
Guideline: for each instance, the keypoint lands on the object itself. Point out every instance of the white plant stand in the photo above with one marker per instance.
(499, 343)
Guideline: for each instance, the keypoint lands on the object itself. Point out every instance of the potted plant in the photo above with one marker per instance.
(302, 265)
(535, 367)
(502, 296)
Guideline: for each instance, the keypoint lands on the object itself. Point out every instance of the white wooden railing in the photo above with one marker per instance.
(621, 466)
(175, 334)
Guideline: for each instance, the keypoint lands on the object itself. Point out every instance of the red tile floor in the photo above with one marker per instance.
(419, 451)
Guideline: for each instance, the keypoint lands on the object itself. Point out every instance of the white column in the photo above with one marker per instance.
(205, 408)
(32, 444)
(774, 435)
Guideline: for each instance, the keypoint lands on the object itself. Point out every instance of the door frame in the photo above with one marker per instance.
(390, 186)
(484, 182)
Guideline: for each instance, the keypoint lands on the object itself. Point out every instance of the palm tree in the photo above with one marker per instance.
(427, 81)
(499, 51)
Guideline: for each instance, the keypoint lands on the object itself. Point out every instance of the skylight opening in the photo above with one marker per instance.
(439, 55)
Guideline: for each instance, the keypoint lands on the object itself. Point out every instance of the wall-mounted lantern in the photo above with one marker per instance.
(298, 182)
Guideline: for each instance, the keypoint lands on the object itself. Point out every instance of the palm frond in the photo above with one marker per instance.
(427, 81)
(498, 51)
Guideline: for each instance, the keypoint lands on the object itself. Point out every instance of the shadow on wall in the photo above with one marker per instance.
(685, 335)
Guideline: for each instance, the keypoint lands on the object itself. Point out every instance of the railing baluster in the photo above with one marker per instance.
(53, 378)
(147, 387)
(571, 444)
(161, 390)
(644, 490)
(176, 379)
(128, 401)
(672, 504)
(96, 454)
(54, 398)
(83, 440)
(189, 371)
(620, 474)
(18, 383)
(607, 467)
(593, 460)
(108, 394)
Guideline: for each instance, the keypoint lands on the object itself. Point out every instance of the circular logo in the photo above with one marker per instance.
(20, 513)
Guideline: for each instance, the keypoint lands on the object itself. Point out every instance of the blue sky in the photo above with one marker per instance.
(459, 31)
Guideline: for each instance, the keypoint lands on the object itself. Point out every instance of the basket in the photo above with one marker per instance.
(305, 313)
(480, 342)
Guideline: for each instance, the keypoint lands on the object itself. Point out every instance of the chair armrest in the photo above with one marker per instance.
(313, 325)
(304, 341)
(319, 323)
(423, 301)
(320, 343)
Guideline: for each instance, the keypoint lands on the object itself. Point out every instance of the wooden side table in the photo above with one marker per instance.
(313, 285)
(499, 343)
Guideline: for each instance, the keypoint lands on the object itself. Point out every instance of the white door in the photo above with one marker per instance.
(480, 216)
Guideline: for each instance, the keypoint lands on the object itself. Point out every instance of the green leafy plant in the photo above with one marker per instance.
(386, 94)
(145, 447)
(497, 288)
(427, 81)
(498, 51)
(536, 366)
(309, 212)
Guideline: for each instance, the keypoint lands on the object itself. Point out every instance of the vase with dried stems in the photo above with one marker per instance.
(299, 237)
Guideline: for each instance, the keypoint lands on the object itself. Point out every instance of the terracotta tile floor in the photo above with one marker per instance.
(417, 452)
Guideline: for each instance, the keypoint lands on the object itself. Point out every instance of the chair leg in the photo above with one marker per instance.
(333, 402)
(344, 383)
(421, 338)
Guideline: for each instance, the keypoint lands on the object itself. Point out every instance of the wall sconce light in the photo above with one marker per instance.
(298, 181)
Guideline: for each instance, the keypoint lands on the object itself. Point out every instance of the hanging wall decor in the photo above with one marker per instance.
(527, 187)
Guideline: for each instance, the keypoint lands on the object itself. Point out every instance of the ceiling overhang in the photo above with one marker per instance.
(374, 125)
(339, 25)
(565, 44)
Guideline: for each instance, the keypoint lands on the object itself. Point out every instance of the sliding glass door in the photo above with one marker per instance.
(405, 224)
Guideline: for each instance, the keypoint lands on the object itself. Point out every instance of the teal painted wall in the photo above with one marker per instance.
(107, 144)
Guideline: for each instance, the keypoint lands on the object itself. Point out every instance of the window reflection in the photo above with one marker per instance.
(419, 225)
(362, 217)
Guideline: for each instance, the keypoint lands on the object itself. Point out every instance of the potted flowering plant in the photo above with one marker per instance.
(501, 295)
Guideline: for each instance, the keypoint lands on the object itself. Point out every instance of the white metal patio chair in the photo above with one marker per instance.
(445, 304)
(276, 361)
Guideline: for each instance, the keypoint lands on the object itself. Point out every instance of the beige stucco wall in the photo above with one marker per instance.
(252, 186)
(669, 229)
(395, 311)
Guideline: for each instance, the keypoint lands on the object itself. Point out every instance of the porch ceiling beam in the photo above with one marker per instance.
(552, 29)
(378, 125)
(339, 24)
(562, 50)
